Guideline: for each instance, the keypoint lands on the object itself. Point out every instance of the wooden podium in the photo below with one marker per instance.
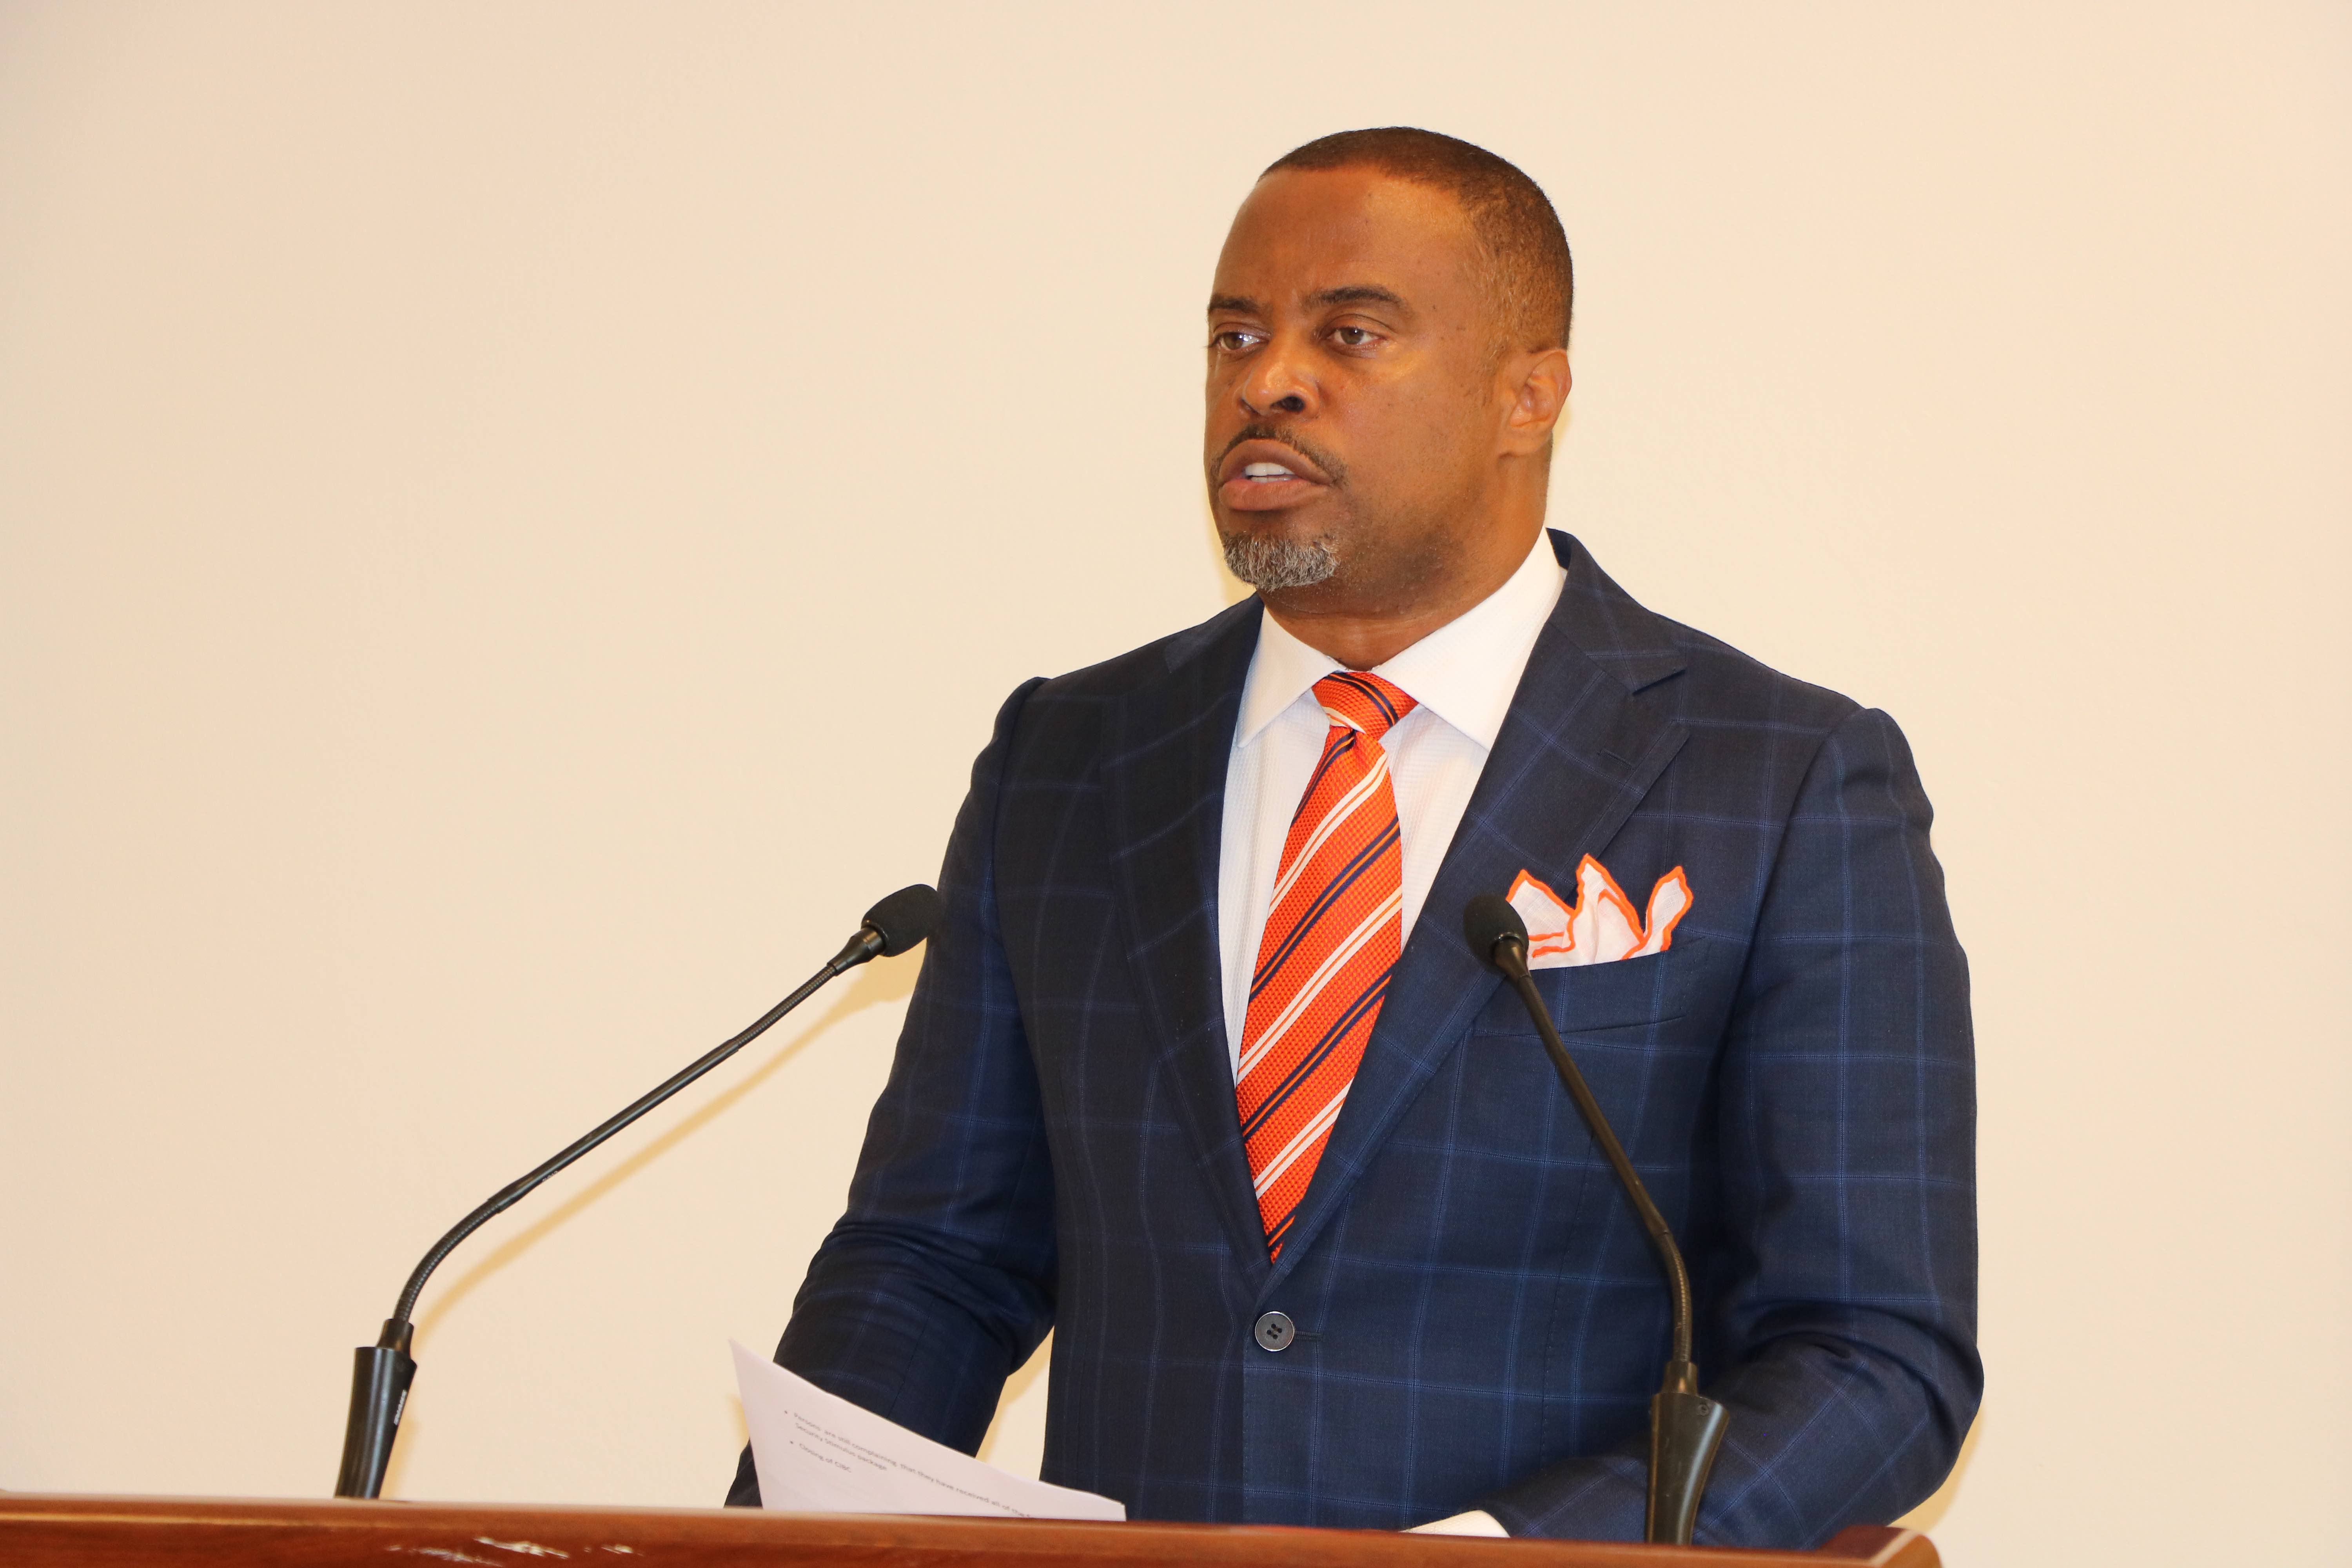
(52, 1531)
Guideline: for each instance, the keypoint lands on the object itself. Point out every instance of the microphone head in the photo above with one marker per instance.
(1488, 919)
(906, 918)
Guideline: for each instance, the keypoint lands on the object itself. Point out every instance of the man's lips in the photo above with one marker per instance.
(1265, 476)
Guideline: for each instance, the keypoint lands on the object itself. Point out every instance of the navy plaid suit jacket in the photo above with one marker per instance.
(1480, 1319)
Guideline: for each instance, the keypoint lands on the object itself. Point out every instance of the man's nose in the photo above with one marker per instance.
(1276, 384)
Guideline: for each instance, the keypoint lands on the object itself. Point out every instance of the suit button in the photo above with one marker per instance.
(1275, 1332)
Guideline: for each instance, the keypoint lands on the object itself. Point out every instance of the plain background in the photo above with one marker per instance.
(514, 520)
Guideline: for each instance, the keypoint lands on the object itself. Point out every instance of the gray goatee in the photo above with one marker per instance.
(1271, 564)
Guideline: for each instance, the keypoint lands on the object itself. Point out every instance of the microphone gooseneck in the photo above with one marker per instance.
(384, 1370)
(1685, 1426)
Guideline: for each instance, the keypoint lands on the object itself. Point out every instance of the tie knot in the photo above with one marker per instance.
(1363, 701)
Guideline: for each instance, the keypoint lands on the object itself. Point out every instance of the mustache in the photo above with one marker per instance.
(1331, 465)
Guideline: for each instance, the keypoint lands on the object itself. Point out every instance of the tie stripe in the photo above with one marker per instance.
(1269, 965)
(1391, 703)
(1335, 963)
(1372, 788)
(1333, 930)
(1316, 1129)
(1368, 1002)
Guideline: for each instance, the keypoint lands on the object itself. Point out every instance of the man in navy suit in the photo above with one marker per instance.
(1422, 1299)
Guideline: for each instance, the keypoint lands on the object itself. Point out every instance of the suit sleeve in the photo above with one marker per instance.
(1841, 1311)
(937, 1282)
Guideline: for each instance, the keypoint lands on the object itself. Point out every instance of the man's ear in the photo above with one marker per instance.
(1538, 383)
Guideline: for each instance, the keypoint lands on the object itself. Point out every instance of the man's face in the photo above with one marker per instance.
(1353, 400)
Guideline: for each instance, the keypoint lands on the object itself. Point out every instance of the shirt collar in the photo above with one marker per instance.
(1466, 671)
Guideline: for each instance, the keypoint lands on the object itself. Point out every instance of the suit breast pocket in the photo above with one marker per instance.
(1599, 999)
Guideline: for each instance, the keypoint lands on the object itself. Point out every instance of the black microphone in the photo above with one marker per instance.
(382, 1371)
(1685, 1426)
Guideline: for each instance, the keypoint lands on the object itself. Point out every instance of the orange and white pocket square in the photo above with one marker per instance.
(1602, 926)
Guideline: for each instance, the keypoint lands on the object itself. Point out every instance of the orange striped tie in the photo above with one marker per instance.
(1333, 931)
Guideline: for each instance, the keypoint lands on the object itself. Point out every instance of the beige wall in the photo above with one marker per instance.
(514, 519)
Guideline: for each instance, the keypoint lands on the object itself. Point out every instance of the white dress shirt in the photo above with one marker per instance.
(1463, 676)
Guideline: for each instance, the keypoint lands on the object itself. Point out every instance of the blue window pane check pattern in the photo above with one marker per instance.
(1480, 1322)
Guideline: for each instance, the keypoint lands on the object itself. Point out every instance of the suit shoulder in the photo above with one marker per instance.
(1722, 684)
(1700, 679)
(1124, 673)
(1063, 729)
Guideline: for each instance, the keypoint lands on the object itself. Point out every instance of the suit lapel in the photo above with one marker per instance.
(1576, 754)
(1170, 742)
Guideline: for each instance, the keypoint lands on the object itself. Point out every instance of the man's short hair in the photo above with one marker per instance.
(1531, 275)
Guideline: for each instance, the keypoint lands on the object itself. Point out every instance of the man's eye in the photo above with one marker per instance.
(1353, 337)
(1233, 340)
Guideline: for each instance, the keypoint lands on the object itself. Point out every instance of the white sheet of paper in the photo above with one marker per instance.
(817, 1453)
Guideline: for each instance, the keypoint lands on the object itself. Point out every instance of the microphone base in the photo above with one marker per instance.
(1685, 1429)
(381, 1374)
